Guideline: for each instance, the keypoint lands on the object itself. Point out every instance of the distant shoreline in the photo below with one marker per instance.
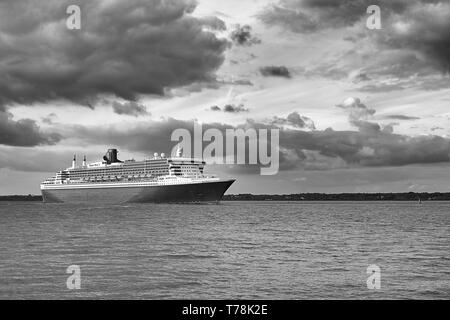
(410, 196)
(21, 198)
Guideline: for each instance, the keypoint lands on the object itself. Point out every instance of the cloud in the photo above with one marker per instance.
(215, 108)
(358, 113)
(24, 132)
(431, 20)
(214, 23)
(295, 120)
(230, 108)
(350, 148)
(242, 36)
(389, 128)
(360, 77)
(50, 118)
(356, 109)
(129, 108)
(43, 159)
(306, 16)
(366, 126)
(275, 71)
(399, 117)
(124, 49)
(242, 82)
(413, 44)
(371, 145)
(144, 136)
(380, 87)
(293, 20)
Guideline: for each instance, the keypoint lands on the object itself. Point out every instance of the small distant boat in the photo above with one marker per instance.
(420, 201)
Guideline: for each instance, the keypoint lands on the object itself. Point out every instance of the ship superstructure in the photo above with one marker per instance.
(150, 180)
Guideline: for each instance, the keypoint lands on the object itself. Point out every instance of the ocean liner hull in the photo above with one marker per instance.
(182, 193)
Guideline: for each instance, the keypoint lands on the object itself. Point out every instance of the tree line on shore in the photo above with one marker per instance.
(410, 196)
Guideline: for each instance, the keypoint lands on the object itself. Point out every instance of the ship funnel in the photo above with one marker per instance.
(74, 161)
(111, 156)
(84, 161)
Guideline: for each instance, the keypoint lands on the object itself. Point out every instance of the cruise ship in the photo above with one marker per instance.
(159, 179)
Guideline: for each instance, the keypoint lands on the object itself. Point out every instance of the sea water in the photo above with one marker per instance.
(234, 250)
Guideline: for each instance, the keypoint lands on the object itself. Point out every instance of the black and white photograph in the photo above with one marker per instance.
(216, 152)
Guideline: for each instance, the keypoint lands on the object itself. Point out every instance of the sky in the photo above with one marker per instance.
(358, 109)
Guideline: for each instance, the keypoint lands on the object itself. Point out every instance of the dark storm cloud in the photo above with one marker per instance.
(371, 145)
(129, 108)
(305, 16)
(423, 28)
(275, 71)
(24, 132)
(242, 35)
(414, 39)
(124, 48)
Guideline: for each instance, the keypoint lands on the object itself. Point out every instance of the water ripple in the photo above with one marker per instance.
(236, 250)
